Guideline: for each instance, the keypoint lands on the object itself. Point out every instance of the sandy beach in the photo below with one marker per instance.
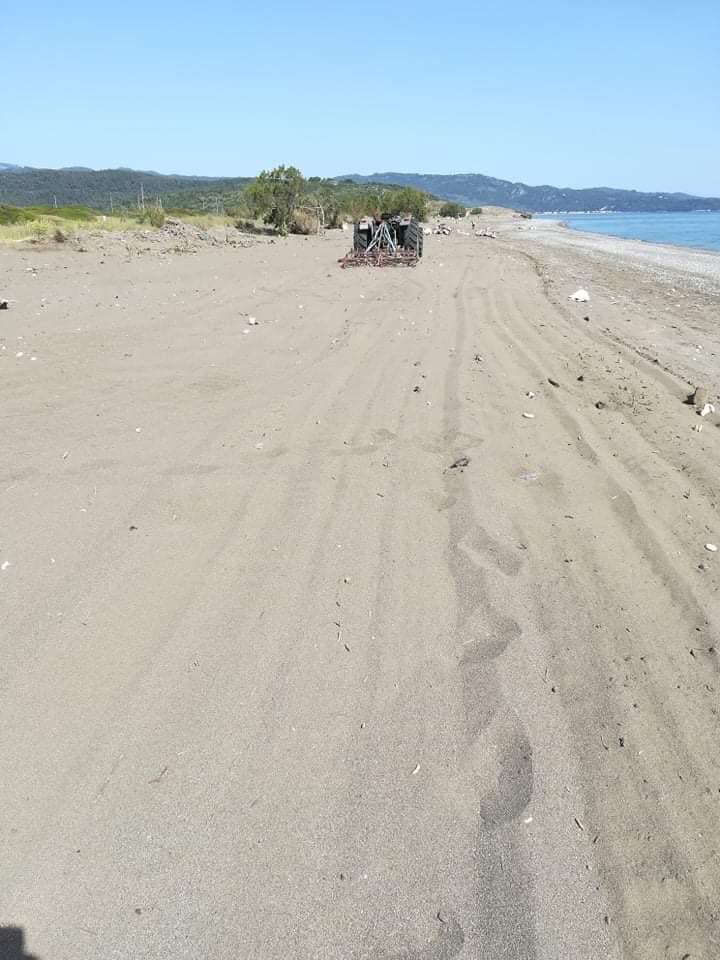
(362, 614)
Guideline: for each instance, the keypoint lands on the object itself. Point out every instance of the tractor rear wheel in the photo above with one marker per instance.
(414, 238)
(360, 240)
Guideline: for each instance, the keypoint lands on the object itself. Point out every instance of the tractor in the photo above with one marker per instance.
(389, 240)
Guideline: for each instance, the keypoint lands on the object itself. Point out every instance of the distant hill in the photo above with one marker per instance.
(23, 186)
(476, 189)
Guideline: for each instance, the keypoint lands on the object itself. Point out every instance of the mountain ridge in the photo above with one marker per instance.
(24, 186)
(100, 189)
(476, 189)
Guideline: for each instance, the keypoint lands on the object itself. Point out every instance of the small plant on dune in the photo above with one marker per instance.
(250, 226)
(156, 217)
(59, 236)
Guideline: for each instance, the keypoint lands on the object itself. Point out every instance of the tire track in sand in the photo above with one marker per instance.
(497, 768)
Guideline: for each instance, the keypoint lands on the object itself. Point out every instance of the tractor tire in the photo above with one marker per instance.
(360, 240)
(414, 238)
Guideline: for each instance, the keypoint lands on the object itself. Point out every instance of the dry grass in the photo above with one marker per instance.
(304, 222)
(45, 226)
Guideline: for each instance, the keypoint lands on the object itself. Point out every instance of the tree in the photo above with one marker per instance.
(275, 195)
(377, 200)
(452, 210)
(408, 200)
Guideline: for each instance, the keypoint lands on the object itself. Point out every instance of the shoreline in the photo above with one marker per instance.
(556, 221)
(664, 260)
(661, 302)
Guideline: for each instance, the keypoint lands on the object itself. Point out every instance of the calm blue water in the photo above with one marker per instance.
(686, 229)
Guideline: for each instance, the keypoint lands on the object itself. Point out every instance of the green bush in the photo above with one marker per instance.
(406, 200)
(9, 215)
(77, 213)
(476, 211)
(155, 216)
(452, 210)
(376, 201)
(340, 201)
(275, 196)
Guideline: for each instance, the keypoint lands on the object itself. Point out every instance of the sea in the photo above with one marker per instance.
(697, 229)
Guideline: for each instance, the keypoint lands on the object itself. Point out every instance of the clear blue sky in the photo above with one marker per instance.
(619, 93)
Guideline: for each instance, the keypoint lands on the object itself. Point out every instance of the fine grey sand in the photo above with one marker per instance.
(280, 682)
